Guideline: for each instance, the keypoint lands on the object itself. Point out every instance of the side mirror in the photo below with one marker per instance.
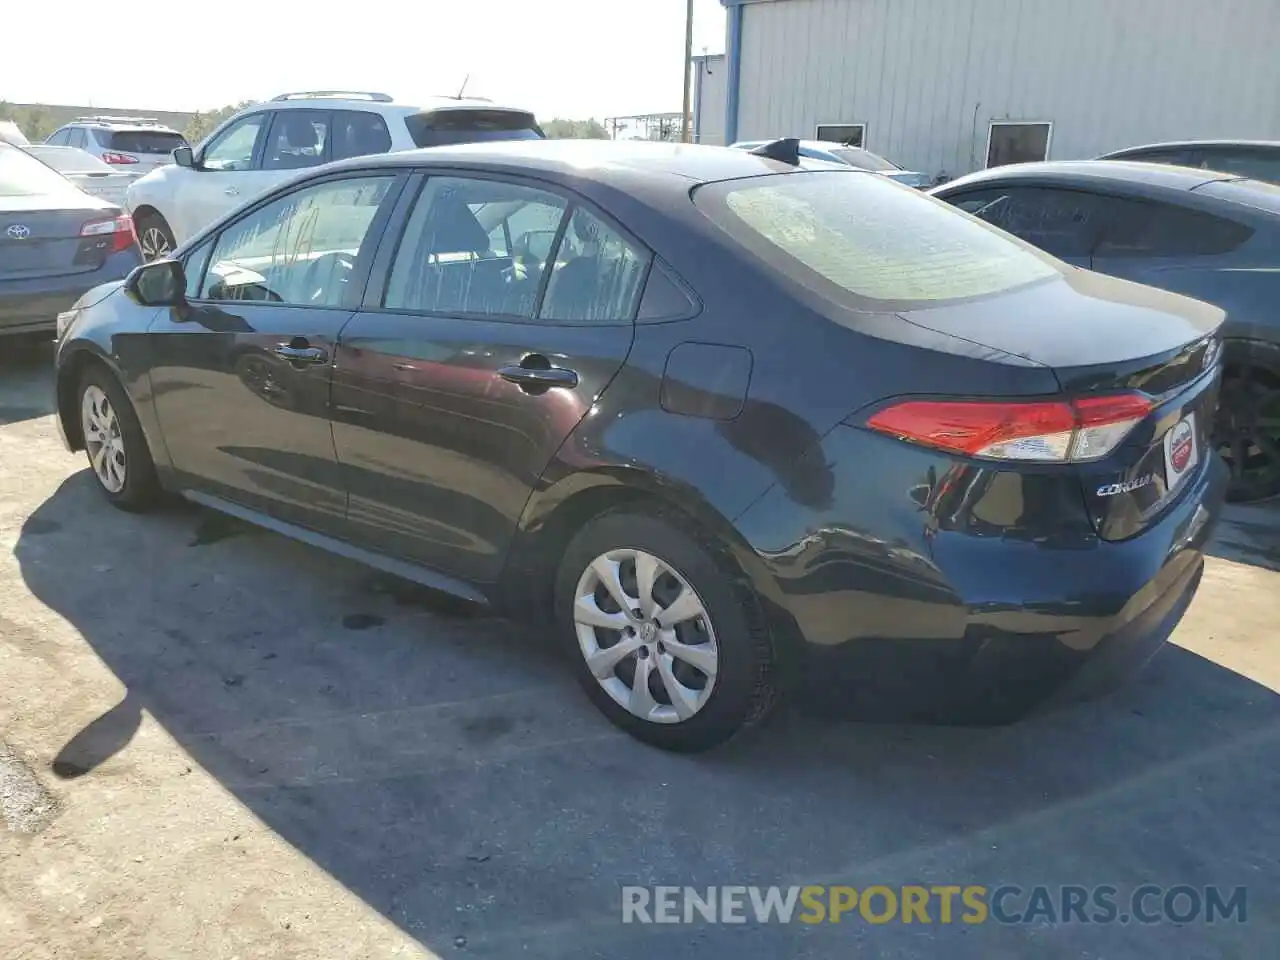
(184, 157)
(160, 283)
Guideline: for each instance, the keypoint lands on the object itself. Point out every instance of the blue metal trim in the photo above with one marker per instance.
(733, 60)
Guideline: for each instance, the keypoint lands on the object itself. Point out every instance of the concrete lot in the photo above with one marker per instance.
(219, 744)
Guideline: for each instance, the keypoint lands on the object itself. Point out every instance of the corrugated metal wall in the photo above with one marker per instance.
(711, 99)
(927, 76)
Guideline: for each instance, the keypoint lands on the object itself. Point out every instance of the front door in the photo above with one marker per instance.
(505, 313)
(242, 373)
(228, 173)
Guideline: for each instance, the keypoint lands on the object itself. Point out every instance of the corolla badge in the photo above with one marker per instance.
(1127, 486)
(18, 231)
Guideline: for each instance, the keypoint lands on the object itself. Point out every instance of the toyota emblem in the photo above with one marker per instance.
(19, 231)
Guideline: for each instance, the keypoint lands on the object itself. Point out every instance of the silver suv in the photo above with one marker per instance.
(133, 144)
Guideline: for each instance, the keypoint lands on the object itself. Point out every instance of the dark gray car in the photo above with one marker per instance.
(1209, 235)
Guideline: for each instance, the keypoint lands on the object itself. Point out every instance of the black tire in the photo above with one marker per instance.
(1247, 427)
(743, 691)
(152, 230)
(141, 490)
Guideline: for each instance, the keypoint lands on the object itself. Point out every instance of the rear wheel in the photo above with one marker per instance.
(155, 239)
(115, 444)
(1247, 428)
(665, 642)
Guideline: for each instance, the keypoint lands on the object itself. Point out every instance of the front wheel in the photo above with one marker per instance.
(115, 444)
(665, 641)
(155, 239)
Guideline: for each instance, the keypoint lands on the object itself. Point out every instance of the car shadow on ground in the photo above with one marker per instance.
(26, 390)
(1250, 533)
(445, 769)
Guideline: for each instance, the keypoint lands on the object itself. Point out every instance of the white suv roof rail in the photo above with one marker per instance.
(334, 95)
(137, 121)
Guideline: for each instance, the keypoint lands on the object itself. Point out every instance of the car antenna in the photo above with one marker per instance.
(784, 150)
(462, 88)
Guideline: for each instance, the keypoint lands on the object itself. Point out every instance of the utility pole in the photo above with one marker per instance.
(688, 70)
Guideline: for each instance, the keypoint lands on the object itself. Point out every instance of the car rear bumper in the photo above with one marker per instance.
(977, 629)
(32, 306)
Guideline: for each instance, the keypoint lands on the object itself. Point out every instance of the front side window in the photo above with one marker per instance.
(299, 249)
(1017, 143)
(466, 249)
(597, 274)
(1065, 223)
(59, 139)
(296, 140)
(860, 237)
(233, 148)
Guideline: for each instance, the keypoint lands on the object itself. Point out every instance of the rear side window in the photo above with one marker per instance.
(597, 274)
(140, 141)
(358, 133)
(296, 140)
(866, 236)
(440, 127)
(1065, 223)
(1140, 228)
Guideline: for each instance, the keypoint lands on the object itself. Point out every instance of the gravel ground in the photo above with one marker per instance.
(222, 744)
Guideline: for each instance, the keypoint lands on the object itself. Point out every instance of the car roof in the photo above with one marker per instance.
(1092, 172)
(423, 105)
(1183, 144)
(602, 161)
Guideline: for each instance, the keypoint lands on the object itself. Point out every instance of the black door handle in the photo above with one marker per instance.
(300, 353)
(535, 373)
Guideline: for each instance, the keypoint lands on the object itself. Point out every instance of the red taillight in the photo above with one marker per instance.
(110, 156)
(1054, 431)
(118, 229)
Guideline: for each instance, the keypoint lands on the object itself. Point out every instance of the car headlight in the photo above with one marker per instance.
(65, 319)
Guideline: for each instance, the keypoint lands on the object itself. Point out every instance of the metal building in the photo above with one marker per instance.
(949, 86)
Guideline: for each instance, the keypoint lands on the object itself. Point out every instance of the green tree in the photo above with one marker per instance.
(560, 129)
(35, 122)
(204, 122)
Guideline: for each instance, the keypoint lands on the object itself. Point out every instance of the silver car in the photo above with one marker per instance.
(136, 144)
(85, 170)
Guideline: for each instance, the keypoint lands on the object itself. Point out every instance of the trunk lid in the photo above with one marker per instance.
(1100, 335)
(40, 236)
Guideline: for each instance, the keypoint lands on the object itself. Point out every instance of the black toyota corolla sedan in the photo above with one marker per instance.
(56, 242)
(736, 428)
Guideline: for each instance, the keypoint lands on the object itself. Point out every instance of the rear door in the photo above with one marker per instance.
(1065, 223)
(481, 344)
(242, 372)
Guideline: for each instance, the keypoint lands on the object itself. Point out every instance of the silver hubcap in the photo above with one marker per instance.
(646, 636)
(102, 439)
(154, 243)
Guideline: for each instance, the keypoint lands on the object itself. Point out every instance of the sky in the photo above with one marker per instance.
(567, 58)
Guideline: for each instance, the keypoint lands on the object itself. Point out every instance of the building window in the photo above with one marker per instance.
(1009, 142)
(850, 134)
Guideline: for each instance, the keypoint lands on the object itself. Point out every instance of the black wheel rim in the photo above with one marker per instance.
(1247, 429)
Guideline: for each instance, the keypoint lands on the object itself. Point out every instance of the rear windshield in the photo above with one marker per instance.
(24, 176)
(443, 127)
(856, 157)
(140, 141)
(870, 237)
